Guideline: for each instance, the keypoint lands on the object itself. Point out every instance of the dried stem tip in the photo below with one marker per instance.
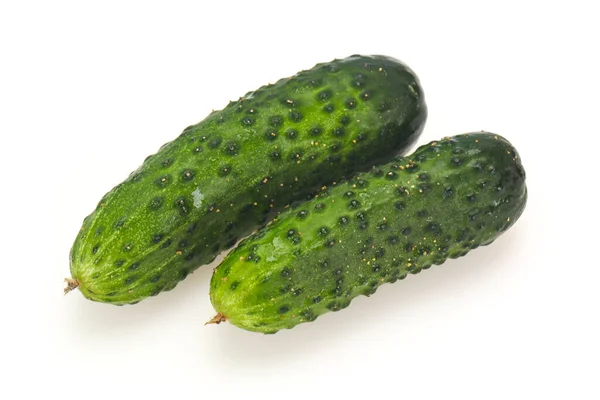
(217, 319)
(71, 284)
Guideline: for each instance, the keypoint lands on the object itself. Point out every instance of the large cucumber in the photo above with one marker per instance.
(220, 179)
(448, 197)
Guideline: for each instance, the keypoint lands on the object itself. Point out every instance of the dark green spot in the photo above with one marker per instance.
(271, 135)
(302, 214)
(399, 205)
(315, 131)
(402, 191)
(323, 231)
(286, 272)
(291, 134)
(308, 315)
(283, 309)
(295, 116)
(187, 175)
(319, 207)
(376, 171)
(276, 121)
(473, 215)
(422, 213)
(224, 170)
(296, 155)
(120, 222)
(434, 228)
(448, 192)
(362, 183)
(329, 108)
(183, 274)
(231, 149)
(275, 155)
(353, 204)
(338, 131)
(406, 231)
(215, 142)
(133, 266)
(288, 102)
(350, 103)
(359, 80)
(163, 181)
(324, 95)
(157, 238)
(181, 204)
(393, 239)
(344, 220)
(156, 203)
(247, 121)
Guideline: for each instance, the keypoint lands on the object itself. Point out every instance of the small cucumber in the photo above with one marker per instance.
(448, 197)
(226, 176)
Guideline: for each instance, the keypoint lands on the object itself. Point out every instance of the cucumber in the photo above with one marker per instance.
(230, 173)
(447, 198)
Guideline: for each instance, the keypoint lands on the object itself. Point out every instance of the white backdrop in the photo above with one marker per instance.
(88, 91)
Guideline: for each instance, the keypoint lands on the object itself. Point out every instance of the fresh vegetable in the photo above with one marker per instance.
(229, 174)
(447, 198)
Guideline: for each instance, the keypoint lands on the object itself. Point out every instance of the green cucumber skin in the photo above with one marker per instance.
(227, 175)
(448, 197)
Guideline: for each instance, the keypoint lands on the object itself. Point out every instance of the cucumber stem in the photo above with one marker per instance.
(217, 319)
(71, 284)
